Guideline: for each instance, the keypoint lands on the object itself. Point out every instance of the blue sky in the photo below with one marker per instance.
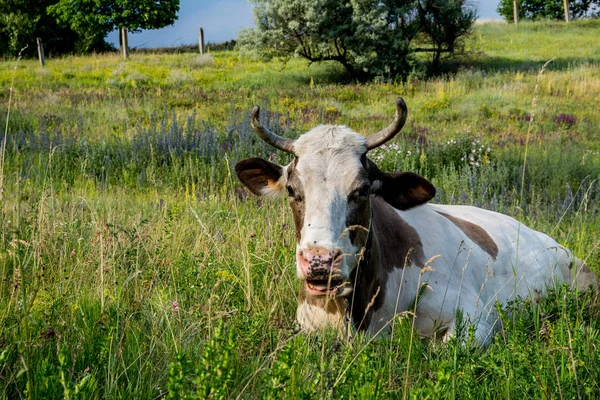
(221, 20)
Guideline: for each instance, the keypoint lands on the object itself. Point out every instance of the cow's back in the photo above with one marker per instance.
(478, 257)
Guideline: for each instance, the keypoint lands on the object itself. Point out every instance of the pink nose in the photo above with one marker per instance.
(317, 262)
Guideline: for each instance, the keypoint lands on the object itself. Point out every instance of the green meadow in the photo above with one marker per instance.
(133, 264)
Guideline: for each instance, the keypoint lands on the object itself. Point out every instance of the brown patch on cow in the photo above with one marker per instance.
(256, 173)
(476, 233)
(422, 194)
(402, 190)
(335, 305)
(399, 243)
(357, 220)
(394, 244)
(275, 185)
(297, 202)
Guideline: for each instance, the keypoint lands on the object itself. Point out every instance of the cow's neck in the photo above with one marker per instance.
(368, 292)
(392, 244)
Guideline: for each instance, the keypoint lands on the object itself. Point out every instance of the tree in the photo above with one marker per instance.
(94, 19)
(549, 9)
(445, 24)
(21, 21)
(368, 37)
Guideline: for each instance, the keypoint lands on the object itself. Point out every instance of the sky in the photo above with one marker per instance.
(221, 20)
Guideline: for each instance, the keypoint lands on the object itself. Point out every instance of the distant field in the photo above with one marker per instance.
(134, 265)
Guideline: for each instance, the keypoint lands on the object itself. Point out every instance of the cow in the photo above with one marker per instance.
(369, 246)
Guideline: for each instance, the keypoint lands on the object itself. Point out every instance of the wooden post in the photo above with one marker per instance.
(40, 46)
(201, 40)
(566, 5)
(124, 44)
(515, 11)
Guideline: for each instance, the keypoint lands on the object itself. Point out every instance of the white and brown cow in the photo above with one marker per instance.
(367, 241)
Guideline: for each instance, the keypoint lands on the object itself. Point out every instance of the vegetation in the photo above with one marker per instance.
(76, 26)
(22, 21)
(548, 9)
(134, 265)
(93, 19)
(368, 38)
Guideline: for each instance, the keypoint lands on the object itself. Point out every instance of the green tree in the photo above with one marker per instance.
(548, 9)
(21, 21)
(94, 19)
(368, 37)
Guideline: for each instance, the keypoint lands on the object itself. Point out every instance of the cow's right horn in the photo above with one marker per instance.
(274, 140)
(379, 138)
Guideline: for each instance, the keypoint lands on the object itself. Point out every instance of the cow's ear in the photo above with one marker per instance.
(402, 190)
(263, 178)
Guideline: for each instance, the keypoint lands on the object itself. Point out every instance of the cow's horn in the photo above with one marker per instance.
(379, 138)
(274, 140)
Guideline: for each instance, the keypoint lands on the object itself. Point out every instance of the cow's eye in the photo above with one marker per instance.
(360, 193)
(290, 191)
(364, 190)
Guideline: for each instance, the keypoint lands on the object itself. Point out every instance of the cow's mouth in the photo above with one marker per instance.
(321, 287)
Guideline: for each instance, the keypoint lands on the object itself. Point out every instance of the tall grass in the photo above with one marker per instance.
(134, 265)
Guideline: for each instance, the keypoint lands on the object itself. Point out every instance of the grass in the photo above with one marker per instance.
(133, 265)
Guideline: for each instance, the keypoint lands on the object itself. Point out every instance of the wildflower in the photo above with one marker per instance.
(72, 252)
(175, 305)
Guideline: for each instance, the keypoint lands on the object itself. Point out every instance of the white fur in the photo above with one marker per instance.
(328, 164)
(466, 277)
(313, 318)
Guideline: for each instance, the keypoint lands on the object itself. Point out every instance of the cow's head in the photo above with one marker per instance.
(329, 185)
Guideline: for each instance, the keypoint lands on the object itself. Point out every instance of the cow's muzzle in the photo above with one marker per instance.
(320, 269)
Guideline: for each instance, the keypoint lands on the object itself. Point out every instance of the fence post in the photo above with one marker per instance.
(40, 47)
(124, 44)
(566, 5)
(201, 40)
(515, 11)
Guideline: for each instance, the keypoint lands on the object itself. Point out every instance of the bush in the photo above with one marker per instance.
(548, 9)
(369, 38)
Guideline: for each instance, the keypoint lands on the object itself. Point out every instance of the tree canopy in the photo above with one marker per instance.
(21, 21)
(77, 25)
(548, 9)
(96, 18)
(368, 37)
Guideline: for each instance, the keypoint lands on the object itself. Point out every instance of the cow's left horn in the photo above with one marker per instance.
(274, 140)
(379, 138)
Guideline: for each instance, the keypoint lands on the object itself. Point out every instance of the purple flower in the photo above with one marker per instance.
(565, 119)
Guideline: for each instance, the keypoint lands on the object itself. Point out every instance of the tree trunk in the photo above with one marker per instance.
(515, 11)
(566, 6)
(124, 43)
